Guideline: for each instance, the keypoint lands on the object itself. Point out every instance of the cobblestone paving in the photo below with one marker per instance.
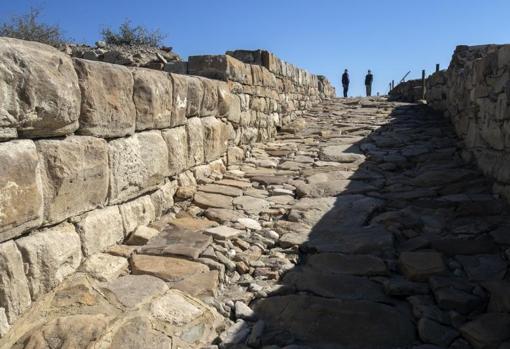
(363, 225)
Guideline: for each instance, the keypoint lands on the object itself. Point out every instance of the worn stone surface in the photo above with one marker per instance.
(28, 68)
(15, 294)
(137, 164)
(74, 175)
(21, 190)
(153, 99)
(167, 268)
(107, 108)
(105, 267)
(50, 256)
(100, 229)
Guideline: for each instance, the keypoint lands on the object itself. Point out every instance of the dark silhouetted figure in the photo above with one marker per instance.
(345, 82)
(369, 78)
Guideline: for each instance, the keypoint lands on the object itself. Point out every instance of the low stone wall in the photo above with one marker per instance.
(408, 91)
(89, 151)
(474, 92)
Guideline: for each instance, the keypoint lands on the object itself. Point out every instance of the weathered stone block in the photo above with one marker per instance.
(163, 199)
(195, 96)
(210, 101)
(14, 291)
(74, 174)
(137, 212)
(107, 108)
(50, 256)
(177, 142)
(195, 131)
(100, 229)
(180, 98)
(215, 138)
(220, 67)
(153, 98)
(21, 195)
(39, 89)
(137, 164)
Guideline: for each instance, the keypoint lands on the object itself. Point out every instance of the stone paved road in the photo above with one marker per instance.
(360, 226)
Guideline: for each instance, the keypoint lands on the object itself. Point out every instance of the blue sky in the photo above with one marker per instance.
(390, 37)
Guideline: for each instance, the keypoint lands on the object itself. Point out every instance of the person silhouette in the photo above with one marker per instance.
(345, 82)
(369, 79)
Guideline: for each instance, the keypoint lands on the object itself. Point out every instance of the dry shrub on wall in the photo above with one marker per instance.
(130, 35)
(29, 27)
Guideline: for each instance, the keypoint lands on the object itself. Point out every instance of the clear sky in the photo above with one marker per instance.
(390, 37)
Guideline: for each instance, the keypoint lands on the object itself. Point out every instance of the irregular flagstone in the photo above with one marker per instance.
(132, 290)
(235, 183)
(316, 321)
(223, 232)
(178, 242)
(251, 205)
(419, 266)
(366, 265)
(139, 333)
(223, 215)
(333, 188)
(221, 189)
(105, 267)
(334, 285)
(484, 267)
(207, 200)
(203, 284)
(167, 268)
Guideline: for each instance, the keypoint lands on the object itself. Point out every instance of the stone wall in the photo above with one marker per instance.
(89, 150)
(474, 93)
(408, 91)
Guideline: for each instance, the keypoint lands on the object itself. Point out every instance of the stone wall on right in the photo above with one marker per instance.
(474, 92)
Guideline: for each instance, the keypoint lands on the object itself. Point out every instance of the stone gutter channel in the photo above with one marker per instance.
(359, 226)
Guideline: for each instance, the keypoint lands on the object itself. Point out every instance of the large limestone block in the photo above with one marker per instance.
(100, 229)
(215, 138)
(137, 164)
(195, 131)
(180, 98)
(39, 89)
(21, 197)
(220, 67)
(50, 256)
(177, 142)
(74, 174)
(14, 291)
(229, 104)
(195, 96)
(153, 98)
(210, 101)
(107, 108)
(137, 212)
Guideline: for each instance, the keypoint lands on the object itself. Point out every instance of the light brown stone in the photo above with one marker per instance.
(176, 140)
(215, 138)
(167, 268)
(39, 89)
(50, 256)
(107, 108)
(21, 194)
(75, 175)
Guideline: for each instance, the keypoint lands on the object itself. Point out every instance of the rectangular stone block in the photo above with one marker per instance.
(209, 105)
(39, 89)
(195, 131)
(21, 194)
(176, 140)
(220, 67)
(153, 98)
(195, 96)
(163, 198)
(137, 212)
(137, 164)
(14, 291)
(50, 255)
(215, 138)
(180, 99)
(100, 229)
(74, 174)
(107, 108)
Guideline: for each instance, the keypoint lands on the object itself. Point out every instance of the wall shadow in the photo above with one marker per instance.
(408, 190)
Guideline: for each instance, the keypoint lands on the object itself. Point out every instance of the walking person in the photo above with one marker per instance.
(345, 82)
(369, 79)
